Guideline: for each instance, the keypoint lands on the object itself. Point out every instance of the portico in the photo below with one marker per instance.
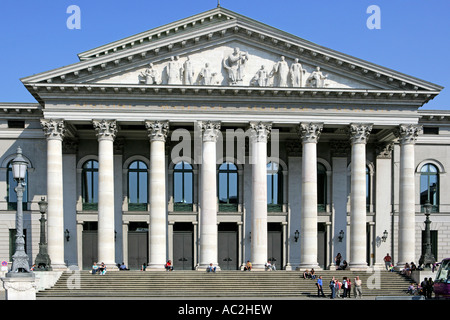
(155, 179)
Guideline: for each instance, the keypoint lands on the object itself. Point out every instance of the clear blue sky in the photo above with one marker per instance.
(414, 37)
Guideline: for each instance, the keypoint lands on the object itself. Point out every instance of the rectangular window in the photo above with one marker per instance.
(430, 130)
(16, 124)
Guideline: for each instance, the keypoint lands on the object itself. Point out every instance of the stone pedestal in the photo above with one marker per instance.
(20, 286)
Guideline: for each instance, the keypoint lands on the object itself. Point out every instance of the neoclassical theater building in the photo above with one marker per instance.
(219, 139)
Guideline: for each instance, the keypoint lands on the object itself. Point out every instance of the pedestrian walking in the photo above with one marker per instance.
(320, 287)
(387, 261)
(344, 287)
(358, 287)
(333, 288)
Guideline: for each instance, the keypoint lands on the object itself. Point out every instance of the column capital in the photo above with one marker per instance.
(210, 130)
(408, 133)
(105, 129)
(157, 130)
(54, 129)
(384, 150)
(260, 131)
(359, 132)
(310, 131)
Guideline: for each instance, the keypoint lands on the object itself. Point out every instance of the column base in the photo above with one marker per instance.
(58, 267)
(155, 267)
(309, 266)
(204, 267)
(358, 267)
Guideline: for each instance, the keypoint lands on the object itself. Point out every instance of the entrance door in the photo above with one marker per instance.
(137, 249)
(228, 253)
(321, 244)
(183, 248)
(90, 248)
(275, 244)
(137, 245)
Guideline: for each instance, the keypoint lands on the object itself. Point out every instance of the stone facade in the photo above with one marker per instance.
(344, 138)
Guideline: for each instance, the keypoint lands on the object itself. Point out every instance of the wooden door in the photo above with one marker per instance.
(228, 257)
(137, 249)
(183, 257)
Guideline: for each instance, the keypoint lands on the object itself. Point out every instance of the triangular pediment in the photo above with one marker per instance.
(230, 63)
(212, 38)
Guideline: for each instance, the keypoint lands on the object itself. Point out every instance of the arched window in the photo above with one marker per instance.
(89, 185)
(321, 187)
(228, 187)
(137, 186)
(429, 186)
(11, 192)
(274, 187)
(183, 186)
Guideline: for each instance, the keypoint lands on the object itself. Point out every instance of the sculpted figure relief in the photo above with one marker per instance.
(261, 78)
(206, 76)
(188, 72)
(235, 65)
(316, 79)
(297, 73)
(281, 71)
(174, 71)
(149, 75)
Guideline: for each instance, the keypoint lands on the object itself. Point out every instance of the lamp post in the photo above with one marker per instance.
(20, 258)
(43, 261)
(428, 259)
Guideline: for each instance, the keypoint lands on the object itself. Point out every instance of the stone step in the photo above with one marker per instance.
(223, 283)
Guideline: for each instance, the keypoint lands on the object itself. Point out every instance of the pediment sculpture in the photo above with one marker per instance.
(235, 66)
(149, 75)
(234, 70)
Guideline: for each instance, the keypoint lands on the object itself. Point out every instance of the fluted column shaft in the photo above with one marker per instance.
(106, 132)
(359, 134)
(407, 135)
(309, 133)
(157, 132)
(208, 202)
(54, 131)
(259, 135)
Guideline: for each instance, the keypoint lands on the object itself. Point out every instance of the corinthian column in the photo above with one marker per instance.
(309, 133)
(106, 132)
(259, 135)
(54, 131)
(208, 202)
(157, 132)
(407, 135)
(359, 134)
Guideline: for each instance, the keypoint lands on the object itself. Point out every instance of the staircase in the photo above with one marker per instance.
(227, 284)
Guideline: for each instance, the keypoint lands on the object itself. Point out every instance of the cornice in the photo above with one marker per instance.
(169, 40)
(231, 93)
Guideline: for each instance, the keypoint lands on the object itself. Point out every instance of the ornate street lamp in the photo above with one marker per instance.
(20, 258)
(341, 235)
(428, 259)
(385, 235)
(43, 261)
